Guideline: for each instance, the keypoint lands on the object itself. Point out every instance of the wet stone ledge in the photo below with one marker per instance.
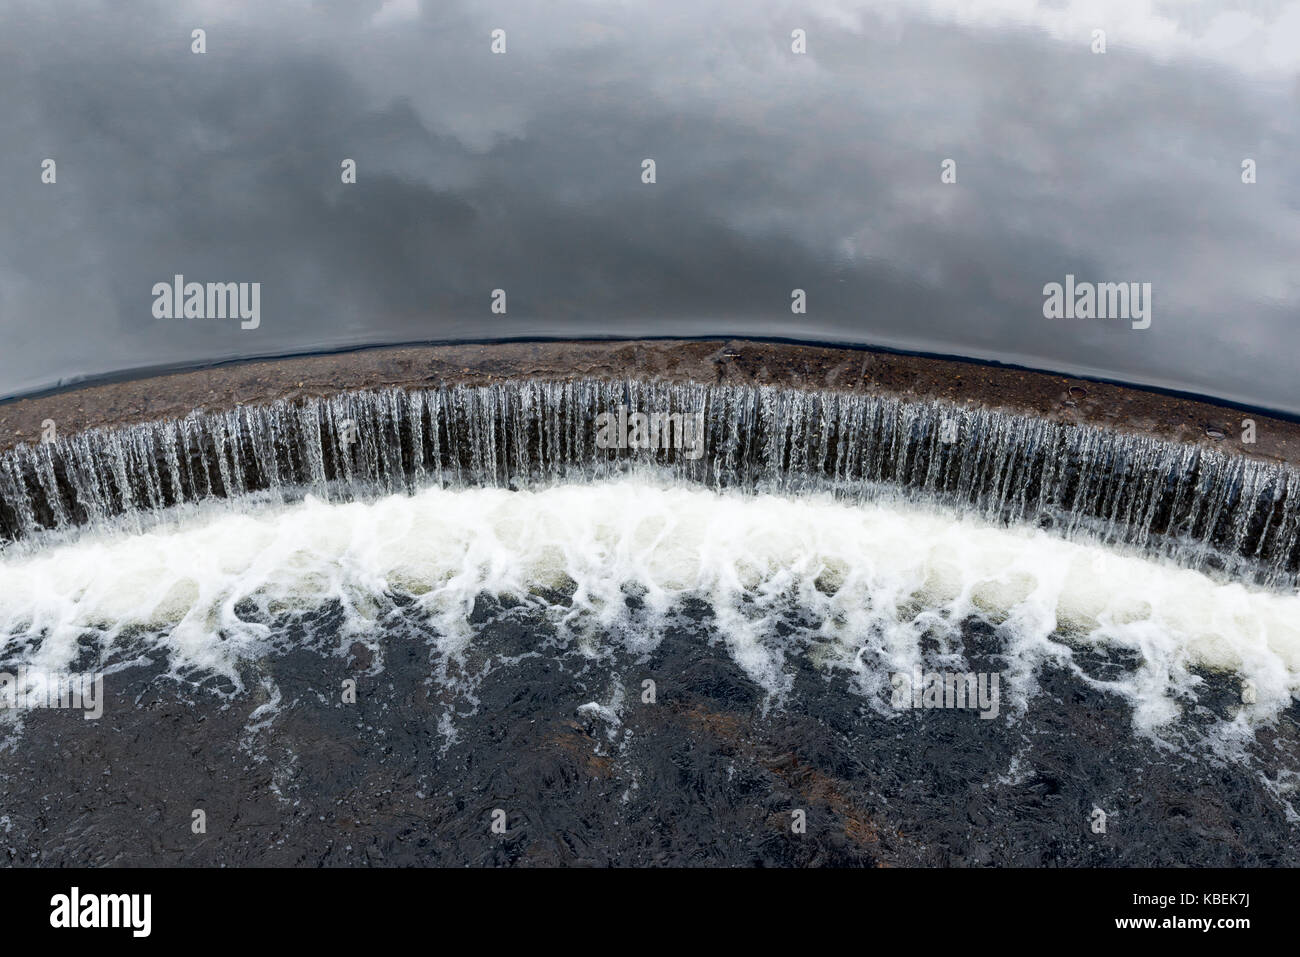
(1205, 508)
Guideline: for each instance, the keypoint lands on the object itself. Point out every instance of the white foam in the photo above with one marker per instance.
(871, 579)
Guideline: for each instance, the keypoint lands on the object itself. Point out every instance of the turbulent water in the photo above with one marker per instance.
(1206, 509)
(617, 560)
(648, 656)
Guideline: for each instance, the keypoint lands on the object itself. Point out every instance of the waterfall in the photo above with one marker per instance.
(1202, 508)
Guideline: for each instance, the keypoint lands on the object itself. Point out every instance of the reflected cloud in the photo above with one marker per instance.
(775, 171)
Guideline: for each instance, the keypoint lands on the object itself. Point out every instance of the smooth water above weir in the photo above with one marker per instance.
(1204, 509)
(776, 170)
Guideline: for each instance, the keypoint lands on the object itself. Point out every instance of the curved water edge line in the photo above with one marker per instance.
(1233, 517)
(73, 384)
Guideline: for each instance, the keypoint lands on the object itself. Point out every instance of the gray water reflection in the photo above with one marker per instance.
(775, 171)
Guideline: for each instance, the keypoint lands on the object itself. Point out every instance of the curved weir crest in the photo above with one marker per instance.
(1228, 515)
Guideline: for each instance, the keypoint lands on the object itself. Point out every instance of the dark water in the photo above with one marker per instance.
(540, 711)
(541, 714)
(776, 171)
(706, 774)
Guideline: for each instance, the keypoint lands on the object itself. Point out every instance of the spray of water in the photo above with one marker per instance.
(1235, 517)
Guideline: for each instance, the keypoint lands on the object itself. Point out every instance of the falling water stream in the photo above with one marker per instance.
(500, 569)
(1203, 508)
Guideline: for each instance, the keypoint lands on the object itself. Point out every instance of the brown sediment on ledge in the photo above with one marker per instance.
(722, 362)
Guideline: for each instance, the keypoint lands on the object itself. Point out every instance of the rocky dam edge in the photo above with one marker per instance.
(1055, 397)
